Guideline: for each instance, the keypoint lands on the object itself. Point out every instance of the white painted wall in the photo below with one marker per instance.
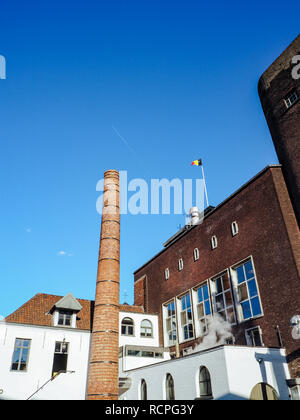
(136, 339)
(234, 372)
(20, 385)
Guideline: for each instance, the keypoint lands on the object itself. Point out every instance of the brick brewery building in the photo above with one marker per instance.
(212, 311)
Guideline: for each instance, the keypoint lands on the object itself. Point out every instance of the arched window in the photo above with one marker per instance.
(146, 328)
(143, 390)
(127, 326)
(170, 392)
(205, 383)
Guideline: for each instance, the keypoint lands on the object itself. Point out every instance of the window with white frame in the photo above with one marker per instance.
(196, 254)
(127, 327)
(170, 323)
(203, 308)
(21, 354)
(292, 98)
(214, 242)
(234, 228)
(249, 305)
(146, 328)
(180, 264)
(167, 274)
(254, 337)
(223, 301)
(186, 317)
(65, 318)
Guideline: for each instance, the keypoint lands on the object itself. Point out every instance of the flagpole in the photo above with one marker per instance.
(204, 185)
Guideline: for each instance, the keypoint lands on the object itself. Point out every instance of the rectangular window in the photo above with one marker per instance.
(21, 354)
(170, 323)
(203, 308)
(234, 229)
(186, 317)
(223, 301)
(291, 99)
(247, 291)
(60, 358)
(167, 274)
(254, 337)
(65, 318)
(180, 264)
(214, 242)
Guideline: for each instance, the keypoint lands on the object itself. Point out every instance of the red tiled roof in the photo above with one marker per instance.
(36, 311)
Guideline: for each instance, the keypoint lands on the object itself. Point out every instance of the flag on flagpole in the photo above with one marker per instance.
(197, 162)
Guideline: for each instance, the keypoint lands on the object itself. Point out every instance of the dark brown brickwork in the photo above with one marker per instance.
(284, 124)
(268, 232)
(103, 382)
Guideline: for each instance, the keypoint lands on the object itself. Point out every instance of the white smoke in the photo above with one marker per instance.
(219, 331)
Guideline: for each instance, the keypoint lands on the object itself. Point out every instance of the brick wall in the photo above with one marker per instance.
(284, 124)
(268, 232)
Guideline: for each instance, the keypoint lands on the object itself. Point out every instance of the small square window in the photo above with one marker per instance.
(291, 99)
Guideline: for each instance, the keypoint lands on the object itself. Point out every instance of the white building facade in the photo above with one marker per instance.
(51, 361)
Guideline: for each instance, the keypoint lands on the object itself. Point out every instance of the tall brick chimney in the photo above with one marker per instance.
(103, 383)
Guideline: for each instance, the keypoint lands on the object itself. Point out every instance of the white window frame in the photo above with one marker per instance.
(172, 319)
(196, 254)
(55, 319)
(214, 294)
(214, 242)
(238, 303)
(167, 274)
(234, 228)
(146, 328)
(180, 264)
(199, 321)
(292, 98)
(249, 339)
(184, 313)
(21, 348)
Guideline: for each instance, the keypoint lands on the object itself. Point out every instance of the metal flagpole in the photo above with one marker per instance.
(204, 184)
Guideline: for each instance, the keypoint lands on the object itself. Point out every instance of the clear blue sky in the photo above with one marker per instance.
(177, 79)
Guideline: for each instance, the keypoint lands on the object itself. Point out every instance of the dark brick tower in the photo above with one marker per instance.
(103, 383)
(279, 91)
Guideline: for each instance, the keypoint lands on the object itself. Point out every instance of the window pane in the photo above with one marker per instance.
(16, 358)
(207, 308)
(205, 292)
(220, 302)
(252, 288)
(219, 287)
(188, 301)
(243, 292)
(225, 282)
(228, 298)
(256, 309)
(200, 295)
(249, 270)
(246, 309)
(240, 274)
